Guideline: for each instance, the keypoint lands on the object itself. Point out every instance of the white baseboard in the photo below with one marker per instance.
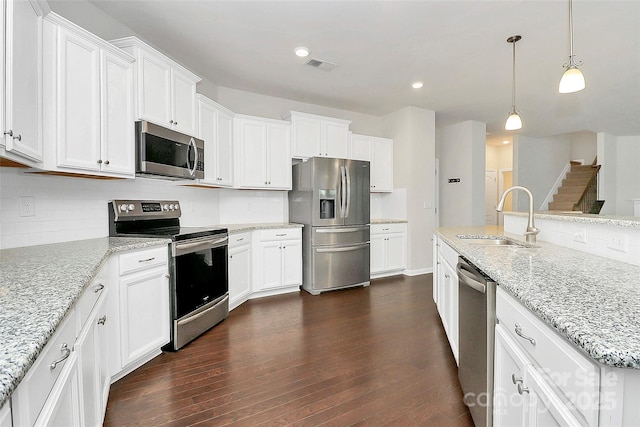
(417, 272)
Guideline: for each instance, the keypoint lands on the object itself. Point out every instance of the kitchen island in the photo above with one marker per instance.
(39, 285)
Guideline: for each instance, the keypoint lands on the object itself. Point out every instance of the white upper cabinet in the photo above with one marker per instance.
(360, 148)
(319, 136)
(166, 91)
(215, 127)
(381, 164)
(87, 102)
(262, 156)
(20, 113)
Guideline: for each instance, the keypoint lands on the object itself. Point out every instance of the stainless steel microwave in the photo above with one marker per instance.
(164, 153)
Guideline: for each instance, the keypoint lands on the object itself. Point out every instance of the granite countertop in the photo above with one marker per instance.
(38, 287)
(240, 228)
(579, 217)
(592, 301)
(388, 221)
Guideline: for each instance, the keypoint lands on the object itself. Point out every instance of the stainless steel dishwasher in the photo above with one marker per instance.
(477, 318)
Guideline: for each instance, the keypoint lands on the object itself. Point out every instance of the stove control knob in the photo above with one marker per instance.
(165, 207)
(131, 207)
(177, 206)
(124, 207)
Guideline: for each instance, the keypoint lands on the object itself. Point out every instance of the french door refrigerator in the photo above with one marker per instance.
(331, 198)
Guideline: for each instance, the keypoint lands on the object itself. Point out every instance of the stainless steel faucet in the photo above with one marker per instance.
(531, 230)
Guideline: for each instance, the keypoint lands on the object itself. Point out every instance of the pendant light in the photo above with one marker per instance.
(514, 122)
(572, 80)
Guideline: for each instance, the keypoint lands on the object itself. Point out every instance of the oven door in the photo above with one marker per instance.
(201, 274)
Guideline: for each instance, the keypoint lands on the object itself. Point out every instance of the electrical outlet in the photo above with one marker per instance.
(580, 236)
(27, 206)
(617, 242)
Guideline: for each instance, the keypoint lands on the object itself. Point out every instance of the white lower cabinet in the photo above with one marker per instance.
(239, 268)
(388, 248)
(278, 261)
(558, 386)
(69, 382)
(5, 415)
(446, 291)
(139, 308)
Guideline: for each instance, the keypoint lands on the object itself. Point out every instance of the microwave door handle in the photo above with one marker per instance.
(192, 145)
(348, 176)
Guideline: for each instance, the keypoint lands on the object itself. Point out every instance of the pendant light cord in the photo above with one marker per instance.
(570, 31)
(513, 92)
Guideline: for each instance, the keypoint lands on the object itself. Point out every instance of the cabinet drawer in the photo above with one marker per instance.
(281, 234)
(31, 393)
(239, 239)
(448, 253)
(572, 373)
(387, 228)
(88, 299)
(141, 260)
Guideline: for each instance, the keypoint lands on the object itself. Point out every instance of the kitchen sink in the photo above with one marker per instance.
(491, 241)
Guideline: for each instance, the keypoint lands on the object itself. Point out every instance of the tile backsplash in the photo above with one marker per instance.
(70, 208)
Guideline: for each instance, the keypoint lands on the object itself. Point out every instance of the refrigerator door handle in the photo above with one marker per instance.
(341, 230)
(343, 192)
(348, 176)
(342, 248)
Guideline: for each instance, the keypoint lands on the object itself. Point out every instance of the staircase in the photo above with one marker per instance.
(578, 191)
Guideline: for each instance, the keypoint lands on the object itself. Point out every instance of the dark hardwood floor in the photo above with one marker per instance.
(371, 356)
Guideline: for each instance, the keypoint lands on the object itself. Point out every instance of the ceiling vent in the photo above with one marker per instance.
(320, 64)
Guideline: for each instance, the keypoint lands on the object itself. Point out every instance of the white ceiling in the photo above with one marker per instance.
(458, 48)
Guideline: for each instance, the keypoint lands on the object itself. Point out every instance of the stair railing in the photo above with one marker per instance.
(590, 195)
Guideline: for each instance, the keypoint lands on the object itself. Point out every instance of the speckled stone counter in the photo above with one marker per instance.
(593, 301)
(388, 221)
(38, 287)
(239, 228)
(617, 221)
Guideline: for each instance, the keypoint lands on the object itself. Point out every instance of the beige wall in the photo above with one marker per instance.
(413, 133)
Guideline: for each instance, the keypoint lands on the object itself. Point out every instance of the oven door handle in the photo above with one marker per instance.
(189, 247)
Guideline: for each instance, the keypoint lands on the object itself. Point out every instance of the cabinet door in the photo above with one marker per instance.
(117, 131)
(78, 108)
(336, 139)
(378, 253)
(252, 158)
(225, 149)
(5, 410)
(360, 147)
(450, 303)
(93, 365)
(22, 79)
(183, 96)
(291, 262)
(396, 259)
(62, 407)
(543, 406)
(239, 275)
(144, 311)
(154, 89)
(208, 132)
(381, 164)
(269, 271)
(307, 137)
(279, 156)
(509, 363)
(436, 267)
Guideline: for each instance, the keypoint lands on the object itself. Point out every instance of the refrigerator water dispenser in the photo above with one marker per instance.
(327, 203)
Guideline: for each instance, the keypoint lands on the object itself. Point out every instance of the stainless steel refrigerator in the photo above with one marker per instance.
(331, 198)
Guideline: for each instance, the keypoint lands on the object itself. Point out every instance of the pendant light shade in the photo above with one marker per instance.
(572, 80)
(514, 122)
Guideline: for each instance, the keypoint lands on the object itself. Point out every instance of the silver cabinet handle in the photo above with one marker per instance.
(519, 332)
(102, 320)
(171, 121)
(9, 132)
(280, 235)
(522, 389)
(240, 239)
(167, 276)
(19, 137)
(98, 288)
(147, 260)
(447, 276)
(385, 229)
(67, 352)
(515, 379)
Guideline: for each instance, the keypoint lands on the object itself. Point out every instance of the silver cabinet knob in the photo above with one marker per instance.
(99, 161)
(102, 320)
(9, 132)
(19, 137)
(106, 162)
(522, 389)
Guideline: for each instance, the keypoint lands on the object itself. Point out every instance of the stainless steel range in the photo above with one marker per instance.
(197, 263)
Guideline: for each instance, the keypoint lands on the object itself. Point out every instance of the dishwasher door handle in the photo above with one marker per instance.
(468, 278)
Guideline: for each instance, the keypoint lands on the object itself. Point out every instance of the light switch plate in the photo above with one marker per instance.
(580, 236)
(618, 242)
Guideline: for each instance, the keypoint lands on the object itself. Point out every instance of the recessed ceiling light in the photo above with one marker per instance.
(417, 85)
(301, 51)
(505, 142)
